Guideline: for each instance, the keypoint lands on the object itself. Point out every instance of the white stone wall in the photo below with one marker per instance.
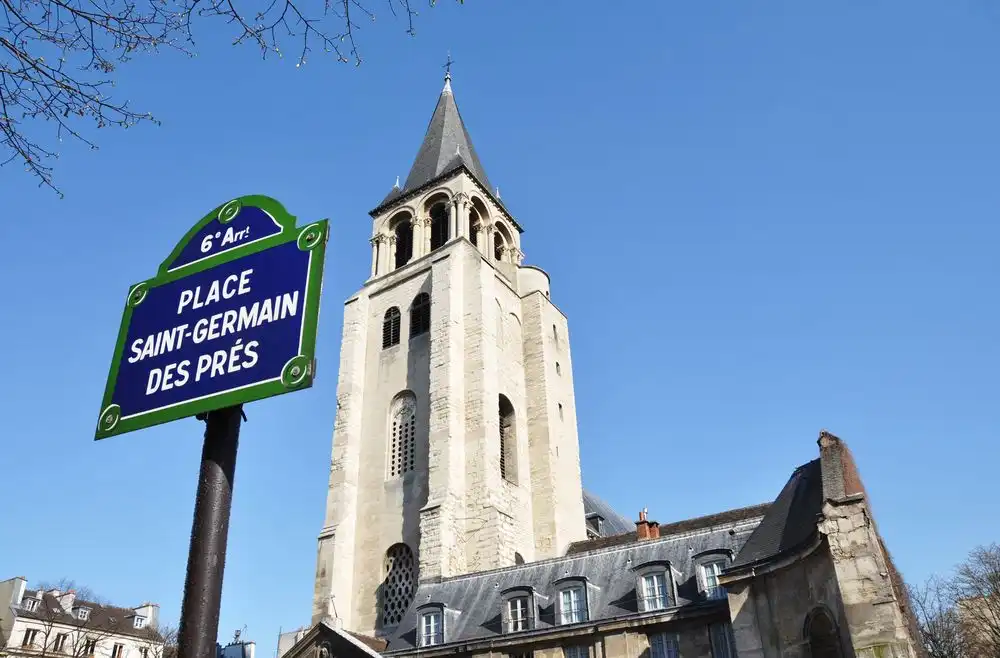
(454, 510)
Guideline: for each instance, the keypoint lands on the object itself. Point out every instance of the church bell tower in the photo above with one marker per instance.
(455, 444)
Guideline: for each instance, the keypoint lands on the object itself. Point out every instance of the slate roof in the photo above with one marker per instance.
(791, 519)
(446, 147)
(102, 619)
(473, 602)
(614, 523)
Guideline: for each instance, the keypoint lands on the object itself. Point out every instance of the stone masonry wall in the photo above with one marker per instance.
(769, 613)
(875, 617)
(335, 553)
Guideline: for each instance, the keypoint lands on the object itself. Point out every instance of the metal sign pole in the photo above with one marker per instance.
(199, 627)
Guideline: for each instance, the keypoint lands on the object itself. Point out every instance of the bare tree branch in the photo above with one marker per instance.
(941, 631)
(57, 57)
(976, 590)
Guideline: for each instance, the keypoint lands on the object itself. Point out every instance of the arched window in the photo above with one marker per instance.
(498, 246)
(404, 242)
(420, 315)
(390, 328)
(508, 441)
(402, 434)
(397, 589)
(439, 224)
(821, 633)
(473, 223)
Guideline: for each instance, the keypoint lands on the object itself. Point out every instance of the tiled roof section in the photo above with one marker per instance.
(472, 602)
(102, 619)
(677, 527)
(393, 194)
(614, 523)
(371, 642)
(446, 146)
(791, 519)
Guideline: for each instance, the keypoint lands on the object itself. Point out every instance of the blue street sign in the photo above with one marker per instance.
(230, 318)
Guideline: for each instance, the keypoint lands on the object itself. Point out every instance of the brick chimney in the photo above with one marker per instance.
(642, 526)
(646, 529)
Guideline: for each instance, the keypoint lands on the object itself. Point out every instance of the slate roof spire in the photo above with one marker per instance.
(446, 145)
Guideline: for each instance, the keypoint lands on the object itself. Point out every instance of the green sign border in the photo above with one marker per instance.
(298, 372)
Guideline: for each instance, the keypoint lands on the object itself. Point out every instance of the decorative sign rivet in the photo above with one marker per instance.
(110, 418)
(137, 294)
(229, 211)
(295, 371)
(310, 237)
(229, 318)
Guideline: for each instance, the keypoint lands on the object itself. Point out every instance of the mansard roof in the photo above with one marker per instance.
(472, 603)
(614, 523)
(446, 146)
(103, 618)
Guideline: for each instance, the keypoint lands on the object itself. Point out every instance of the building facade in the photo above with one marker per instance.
(456, 521)
(54, 623)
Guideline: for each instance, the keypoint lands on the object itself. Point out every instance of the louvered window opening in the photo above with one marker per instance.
(507, 441)
(390, 328)
(420, 315)
(402, 438)
(398, 586)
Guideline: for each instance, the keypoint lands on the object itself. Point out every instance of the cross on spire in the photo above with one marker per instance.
(447, 67)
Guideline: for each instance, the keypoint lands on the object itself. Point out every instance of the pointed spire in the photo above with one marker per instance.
(446, 144)
(396, 185)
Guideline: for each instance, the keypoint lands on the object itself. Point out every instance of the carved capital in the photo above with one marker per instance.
(462, 198)
(517, 255)
(424, 221)
(379, 238)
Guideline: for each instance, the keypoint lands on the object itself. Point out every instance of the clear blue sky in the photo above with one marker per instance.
(762, 220)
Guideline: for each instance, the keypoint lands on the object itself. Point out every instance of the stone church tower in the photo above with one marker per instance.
(455, 446)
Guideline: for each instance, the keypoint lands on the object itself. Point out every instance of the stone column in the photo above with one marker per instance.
(383, 253)
(461, 215)
(480, 234)
(391, 265)
(425, 239)
(374, 242)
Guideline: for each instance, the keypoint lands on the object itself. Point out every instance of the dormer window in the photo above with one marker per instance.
(595, 524)
(710, 579)
(83, 614)
(710, 565)
(139, 622)
(30, 604)
(572, 604)
(518, 609)
(432, 628)
(654, 591)
(654, 586)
